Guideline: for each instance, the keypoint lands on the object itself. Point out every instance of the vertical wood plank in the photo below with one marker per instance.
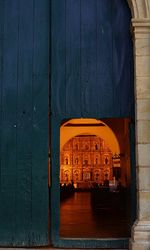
(55, 188)
(24, 126)
(105, 98)
(73, 60)
(123, 71)
(88, 57)
(8, 116)
(24, 57)
(58, 57)
(133, 191)
(1, 73)
(40, 197)
(1, 109)
(89, 52)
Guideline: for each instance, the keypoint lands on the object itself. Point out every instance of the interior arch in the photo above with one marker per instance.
(75, 127)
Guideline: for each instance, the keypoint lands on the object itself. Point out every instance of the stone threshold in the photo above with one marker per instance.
(52, 248)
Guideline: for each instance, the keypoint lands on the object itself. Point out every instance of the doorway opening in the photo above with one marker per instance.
(95, 178)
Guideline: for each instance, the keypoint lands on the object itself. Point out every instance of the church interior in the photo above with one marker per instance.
(86, 159)
(95, 174)
(93, 152)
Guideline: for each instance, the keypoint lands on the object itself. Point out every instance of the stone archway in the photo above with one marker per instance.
(139, 8)
(141, 29)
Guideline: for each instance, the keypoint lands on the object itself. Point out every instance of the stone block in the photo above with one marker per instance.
(142, 66)
(144, 205)
(140, 236)
(143, 87)
(143, 109)
(143, 131)
(139, 246)
(142, 47)
(143, 155)
(144, 178)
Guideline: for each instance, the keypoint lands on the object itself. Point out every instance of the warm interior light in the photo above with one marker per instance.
(94, 177)
(95, 127)
(86, 158)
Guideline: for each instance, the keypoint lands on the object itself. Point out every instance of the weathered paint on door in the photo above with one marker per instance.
(24, 59)
(92, 76)
(89, 51)
(92, 58)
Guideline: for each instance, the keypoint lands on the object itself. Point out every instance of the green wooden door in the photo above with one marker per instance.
(24, 79)
(91, 77)
(88, 79)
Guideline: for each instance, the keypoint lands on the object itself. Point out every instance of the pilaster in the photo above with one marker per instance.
(141, 230)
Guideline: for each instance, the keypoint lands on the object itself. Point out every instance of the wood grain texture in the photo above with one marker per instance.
(89, 52)
(73, 57)
(24, 122)
(40, 102)
(58, 57)
(88, 57)
(88, 79)
(8, 122)
(1, 75)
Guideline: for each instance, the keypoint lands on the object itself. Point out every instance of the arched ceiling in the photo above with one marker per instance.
(82, 126)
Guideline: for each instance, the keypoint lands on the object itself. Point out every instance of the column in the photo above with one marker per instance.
(141, 230)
